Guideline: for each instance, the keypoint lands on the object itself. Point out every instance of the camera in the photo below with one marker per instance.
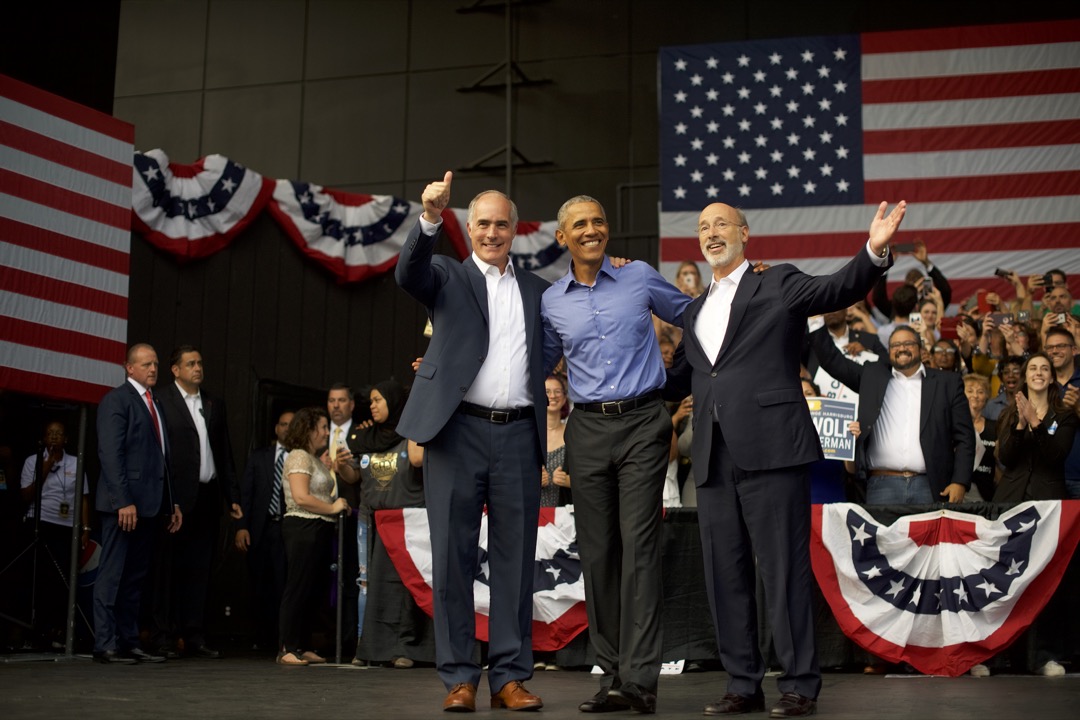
(1000, 318)
(1003, 273)
(1048, 280)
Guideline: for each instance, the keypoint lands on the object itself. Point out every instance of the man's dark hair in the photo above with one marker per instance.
(904, 300)
(1059, 330)
(342, 386)
(179, 351)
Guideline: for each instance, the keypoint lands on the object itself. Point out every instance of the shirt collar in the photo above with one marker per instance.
(185, 394)
(139, 387)
(919, 374)
(732, 278)
(606, 268)
(485, 267)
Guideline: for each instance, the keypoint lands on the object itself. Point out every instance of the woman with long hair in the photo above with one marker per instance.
(1035, 435)
(311, 506)
(554, 480)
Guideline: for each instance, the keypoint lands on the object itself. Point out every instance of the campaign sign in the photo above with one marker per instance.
(831, 418)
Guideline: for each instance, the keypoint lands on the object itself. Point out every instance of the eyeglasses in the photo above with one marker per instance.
(553, 393)
(1053, 348)
(903, 344)
(945, 351)
(720, 225)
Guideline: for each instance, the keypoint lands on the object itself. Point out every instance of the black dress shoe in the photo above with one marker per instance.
(601, 702)
(140, 655)
(635, 697)
(793, 705)
(732, 704)
(203, 651)
(111, 657)
(168, 652)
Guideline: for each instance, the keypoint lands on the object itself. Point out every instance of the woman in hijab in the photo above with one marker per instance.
(390, 478)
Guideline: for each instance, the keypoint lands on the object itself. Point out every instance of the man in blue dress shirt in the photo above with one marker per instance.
(617, 444)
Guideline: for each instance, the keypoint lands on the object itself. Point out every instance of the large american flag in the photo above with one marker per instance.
(65, 219)
(978, 128)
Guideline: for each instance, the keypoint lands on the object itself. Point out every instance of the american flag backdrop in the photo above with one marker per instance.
(978, 128)
(65, 235)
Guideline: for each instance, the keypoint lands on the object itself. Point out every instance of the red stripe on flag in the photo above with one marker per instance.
(51, 386)
(1033, 33)
(972, 137)
(963, 87)
(1061, 236)
(61, 153)
(66, 109)
(67, 201)
(977, 187)
(69, 342)
(939, 531)
(65, 293)
(69, 248)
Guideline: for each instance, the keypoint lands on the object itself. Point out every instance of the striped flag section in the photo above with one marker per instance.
(978, 128)
(65, 234)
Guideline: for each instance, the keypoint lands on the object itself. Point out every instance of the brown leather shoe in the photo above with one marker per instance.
(793, 705)
(462, 698)
(515, 697)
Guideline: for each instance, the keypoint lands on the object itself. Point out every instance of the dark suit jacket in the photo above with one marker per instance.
(133, 467)
(752, 389)
(946, 434)
(870, 341)
(455, 296)
(184, 450)
(256, 487)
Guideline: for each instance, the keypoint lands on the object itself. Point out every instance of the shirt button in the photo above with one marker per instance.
(713, 374)
(603, 337)
(608, 362)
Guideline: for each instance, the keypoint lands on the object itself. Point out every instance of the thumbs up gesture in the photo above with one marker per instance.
(436, 197)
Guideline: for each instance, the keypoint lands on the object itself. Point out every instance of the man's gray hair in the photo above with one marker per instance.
(565, 208)
(513, 208)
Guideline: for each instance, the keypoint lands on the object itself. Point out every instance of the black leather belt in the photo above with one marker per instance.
(273, 518)
(618, 407)
(495, 415)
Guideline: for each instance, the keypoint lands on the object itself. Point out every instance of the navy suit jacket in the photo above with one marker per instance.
(256, 487)
(946, 434)
(752, 387)
(184, 450)
(133, 466)
(455, 296)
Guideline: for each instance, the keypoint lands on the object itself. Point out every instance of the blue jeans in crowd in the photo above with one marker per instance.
(899, 490)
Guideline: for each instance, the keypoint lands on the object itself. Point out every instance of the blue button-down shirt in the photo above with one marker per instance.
(606, 331)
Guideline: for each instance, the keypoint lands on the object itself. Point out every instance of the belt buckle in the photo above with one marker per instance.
(500, 417)
(615, 405)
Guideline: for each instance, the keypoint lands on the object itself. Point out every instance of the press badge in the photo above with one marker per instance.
(1052, 429)
(65, 509)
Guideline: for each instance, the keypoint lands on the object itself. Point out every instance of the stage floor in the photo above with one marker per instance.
(255, 688)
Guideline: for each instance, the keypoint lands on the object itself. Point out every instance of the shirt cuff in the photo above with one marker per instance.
(875, 258)
(429, 228)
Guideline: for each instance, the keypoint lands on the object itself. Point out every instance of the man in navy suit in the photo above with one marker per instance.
(477, 406)
(203, 483)
(258, 532)
(132, 495)
(753, 443)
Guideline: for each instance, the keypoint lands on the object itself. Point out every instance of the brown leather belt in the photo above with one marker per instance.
(896, 473)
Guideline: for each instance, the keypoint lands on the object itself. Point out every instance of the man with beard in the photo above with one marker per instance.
(917, 444)
(1057, 305)
(1060, 346)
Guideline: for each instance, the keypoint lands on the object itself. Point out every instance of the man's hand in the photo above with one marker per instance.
(953, 493)
(854, 348)
(436, 197)
(760, 266)
(416, 363)
(618, 262)
(243, 540)
(920, 253)
(235, 511)
(127, 517)
(176, 519)
(883, 226)
(1034, 282)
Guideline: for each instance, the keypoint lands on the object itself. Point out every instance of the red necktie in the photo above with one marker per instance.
(153, 416)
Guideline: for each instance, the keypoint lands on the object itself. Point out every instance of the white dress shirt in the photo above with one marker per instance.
(894, 444)
(207, 469)
(142, 390)
(711, 324)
